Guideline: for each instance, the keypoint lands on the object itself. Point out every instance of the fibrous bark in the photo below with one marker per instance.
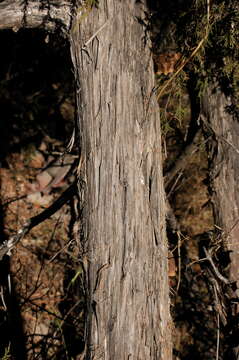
(224, 155)
(31, 14)
(123, 225)
(224, 175)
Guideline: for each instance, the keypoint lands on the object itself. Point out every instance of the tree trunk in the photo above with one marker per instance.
(123, 223)
(224, 175)
(124, 214)
(224, 171)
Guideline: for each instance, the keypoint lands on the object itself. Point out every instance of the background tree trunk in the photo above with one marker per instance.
(224, 170)
(124, 214)
(224, 174)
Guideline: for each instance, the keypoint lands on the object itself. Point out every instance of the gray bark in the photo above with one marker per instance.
(124, 214)
(224, 171)
(224, 175)
(30, 14)
(124, 205)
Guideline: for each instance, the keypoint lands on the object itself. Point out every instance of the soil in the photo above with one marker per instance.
(42, 305)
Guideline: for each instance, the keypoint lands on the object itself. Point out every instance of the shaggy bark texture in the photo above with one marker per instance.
(124, 214)
(224, 174)
(123, 223)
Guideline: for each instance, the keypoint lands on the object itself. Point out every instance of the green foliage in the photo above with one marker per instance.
(206, 33)
(84, 10)
(7, 354)
(173, 107)
(79, 273)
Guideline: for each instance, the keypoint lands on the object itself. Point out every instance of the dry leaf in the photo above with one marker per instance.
(166, 63)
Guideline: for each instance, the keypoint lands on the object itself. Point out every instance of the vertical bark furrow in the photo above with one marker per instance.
(224, 171)
(122, 150)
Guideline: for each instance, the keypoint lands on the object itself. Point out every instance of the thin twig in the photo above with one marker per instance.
(7, 246)
(2, 298)
(175, 184)
(218, 336)
(94, 35)
(60, 251)
(8, 202)
(179, 260)
(185, 62)
(216, 272)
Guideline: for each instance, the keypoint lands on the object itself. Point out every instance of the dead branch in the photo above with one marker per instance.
(181, 163)
(8, 245)
(216, 271)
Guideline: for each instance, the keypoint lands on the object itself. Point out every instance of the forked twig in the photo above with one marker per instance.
(216, 271)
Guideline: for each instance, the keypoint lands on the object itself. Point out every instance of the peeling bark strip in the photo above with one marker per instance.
(224, 171)
(125, 210)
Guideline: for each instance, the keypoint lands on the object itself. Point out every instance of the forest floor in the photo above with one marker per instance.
(42, 307)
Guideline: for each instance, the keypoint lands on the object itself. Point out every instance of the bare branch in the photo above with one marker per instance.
(8, 245)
